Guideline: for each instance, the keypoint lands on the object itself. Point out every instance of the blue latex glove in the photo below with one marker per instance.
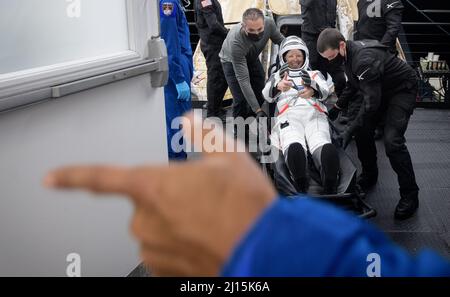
(184, 92)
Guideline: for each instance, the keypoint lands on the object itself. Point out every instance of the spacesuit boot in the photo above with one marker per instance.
(297, 163)
(327, 161)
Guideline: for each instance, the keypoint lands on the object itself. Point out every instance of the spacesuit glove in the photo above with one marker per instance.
(184, 92)
(283, 70)
(306, 78)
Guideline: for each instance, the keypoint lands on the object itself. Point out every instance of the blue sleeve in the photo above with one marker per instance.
(169, 32)
(303, 237)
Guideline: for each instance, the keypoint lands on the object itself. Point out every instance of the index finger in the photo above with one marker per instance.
(99, 179)
(209, 137)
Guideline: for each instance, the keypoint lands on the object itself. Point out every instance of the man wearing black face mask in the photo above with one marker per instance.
(379, 20)
(240, 61)
(388, 87)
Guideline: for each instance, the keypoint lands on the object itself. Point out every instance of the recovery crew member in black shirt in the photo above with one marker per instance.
(212, 31)
(388, 86)
(379, 20)
(318, 15)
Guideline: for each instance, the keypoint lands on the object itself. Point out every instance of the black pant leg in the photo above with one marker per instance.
(397, 119)
(315, 60)
(217, 84)
(365, 144)
(240, 106)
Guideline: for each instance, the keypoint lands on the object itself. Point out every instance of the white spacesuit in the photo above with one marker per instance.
(302, 124)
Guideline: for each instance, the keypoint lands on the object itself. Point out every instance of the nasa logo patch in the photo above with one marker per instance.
(167, 9)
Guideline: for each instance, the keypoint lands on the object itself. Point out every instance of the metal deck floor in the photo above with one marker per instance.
(428, 140)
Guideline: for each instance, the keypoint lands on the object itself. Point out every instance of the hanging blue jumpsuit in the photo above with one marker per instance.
(303, 237)
(175, 32)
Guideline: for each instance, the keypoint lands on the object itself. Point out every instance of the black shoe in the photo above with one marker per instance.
(367, 180)
(407, 206)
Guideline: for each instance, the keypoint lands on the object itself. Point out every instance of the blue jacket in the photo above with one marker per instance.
(175, 32)
(303, 237)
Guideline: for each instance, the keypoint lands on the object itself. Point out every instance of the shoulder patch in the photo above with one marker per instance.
(167, 8)
(361, 76)
(394, 4)
(370, 70)
(206, 3)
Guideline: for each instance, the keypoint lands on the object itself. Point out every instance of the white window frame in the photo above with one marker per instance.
(31, 85)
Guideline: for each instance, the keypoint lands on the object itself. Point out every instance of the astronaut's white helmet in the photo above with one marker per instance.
(290, 43)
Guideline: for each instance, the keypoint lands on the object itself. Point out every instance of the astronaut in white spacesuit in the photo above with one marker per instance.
(301, 116)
